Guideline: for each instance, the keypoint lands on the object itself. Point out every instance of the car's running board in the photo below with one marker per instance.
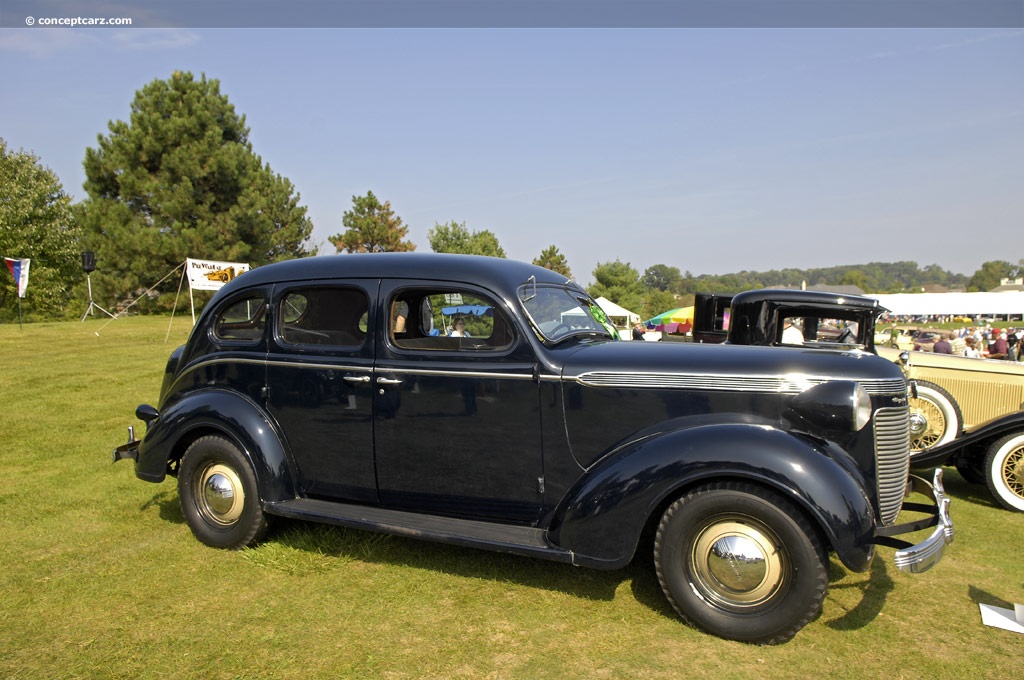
(475, 534)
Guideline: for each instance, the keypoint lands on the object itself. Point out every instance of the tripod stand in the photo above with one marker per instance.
(93, 305)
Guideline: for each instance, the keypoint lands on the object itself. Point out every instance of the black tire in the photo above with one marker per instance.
(741, 562)
(1004, 471)
(218, 494)
(935, 418)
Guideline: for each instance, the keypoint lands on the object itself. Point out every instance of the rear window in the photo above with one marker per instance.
(241, 321)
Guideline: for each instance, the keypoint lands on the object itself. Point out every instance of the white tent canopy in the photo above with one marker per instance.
(954, 304)
(615, 313)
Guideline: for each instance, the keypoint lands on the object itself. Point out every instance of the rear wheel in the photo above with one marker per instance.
(218, 494)
(1004, 471)
(741, 562)
(934, 417)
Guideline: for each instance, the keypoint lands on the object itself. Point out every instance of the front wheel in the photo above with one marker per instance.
(935, 418)
(741, 562)
(1004, 471)
(218, 495)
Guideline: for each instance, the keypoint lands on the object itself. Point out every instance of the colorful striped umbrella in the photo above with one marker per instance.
(680, 315)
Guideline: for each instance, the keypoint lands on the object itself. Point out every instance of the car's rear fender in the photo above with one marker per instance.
(604, 515)
(229, 414)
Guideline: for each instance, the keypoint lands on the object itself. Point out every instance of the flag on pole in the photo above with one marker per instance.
(19, 270)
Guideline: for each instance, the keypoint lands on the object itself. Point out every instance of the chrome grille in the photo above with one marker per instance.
(892, 460)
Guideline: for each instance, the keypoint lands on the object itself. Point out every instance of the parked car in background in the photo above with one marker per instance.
(320, 389)
(897, 336)
(964, 412)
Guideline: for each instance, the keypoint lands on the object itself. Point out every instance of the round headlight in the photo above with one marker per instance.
(861, 407)
(835, 405)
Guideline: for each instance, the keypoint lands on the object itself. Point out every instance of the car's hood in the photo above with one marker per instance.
(651, 359)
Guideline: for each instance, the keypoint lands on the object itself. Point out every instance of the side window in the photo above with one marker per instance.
(323, 316)
(453, 320)
(792, 332)
(243, 320)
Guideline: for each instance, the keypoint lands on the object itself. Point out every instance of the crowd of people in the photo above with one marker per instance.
(978, 342)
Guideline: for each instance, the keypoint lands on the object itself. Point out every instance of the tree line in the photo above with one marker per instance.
(181, 179)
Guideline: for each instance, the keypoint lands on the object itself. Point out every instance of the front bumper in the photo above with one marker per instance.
(921, 557)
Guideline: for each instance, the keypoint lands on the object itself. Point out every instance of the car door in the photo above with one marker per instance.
(319, 389)
(456, 417)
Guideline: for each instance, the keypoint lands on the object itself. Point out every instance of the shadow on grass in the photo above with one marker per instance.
(979, 596)
(336, 542)
(959, 489)
(168, 506)
(874, 590)
(369, 547)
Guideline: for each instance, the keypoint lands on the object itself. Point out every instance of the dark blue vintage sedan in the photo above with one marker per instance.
(488, 403)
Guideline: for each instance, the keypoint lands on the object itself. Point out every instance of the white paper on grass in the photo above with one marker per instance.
(997, 617)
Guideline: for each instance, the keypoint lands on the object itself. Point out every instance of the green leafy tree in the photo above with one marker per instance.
(180, 179)
(619, 282)
(664, 278)
(457, 238)
(655, 302)
(990, 275)
(372, 227)
(36, 222)
(551, 258)
(855, 277)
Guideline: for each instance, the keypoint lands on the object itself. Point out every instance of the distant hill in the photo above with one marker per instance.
(874, 277)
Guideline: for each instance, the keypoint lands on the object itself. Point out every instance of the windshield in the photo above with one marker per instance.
(558, 312)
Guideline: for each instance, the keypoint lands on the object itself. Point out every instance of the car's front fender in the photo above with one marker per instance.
(603, 516)
(218, 411)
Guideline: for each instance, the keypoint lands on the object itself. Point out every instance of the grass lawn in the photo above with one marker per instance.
(100, 576)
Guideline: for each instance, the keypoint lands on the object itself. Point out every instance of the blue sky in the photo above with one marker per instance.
(711, 150)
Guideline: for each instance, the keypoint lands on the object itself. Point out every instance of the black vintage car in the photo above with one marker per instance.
(336, 389)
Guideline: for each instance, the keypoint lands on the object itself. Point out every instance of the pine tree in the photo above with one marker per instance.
(371, 227)
(178, 180)
(551, 259)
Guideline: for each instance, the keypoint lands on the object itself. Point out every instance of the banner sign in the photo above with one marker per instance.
(211, 275)
(19, 270)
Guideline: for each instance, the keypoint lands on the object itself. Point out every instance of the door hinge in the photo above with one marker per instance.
(540, 485)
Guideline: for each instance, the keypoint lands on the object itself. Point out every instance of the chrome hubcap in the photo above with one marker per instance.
(927, 424)
(219, 494)
(918, 423)
(737, 563)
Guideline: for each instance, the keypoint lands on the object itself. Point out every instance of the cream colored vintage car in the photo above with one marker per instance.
(957, 394)
(958, 397)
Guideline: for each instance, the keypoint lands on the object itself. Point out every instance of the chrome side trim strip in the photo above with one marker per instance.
(779, 384)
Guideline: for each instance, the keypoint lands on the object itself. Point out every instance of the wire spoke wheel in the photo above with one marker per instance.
(934, 417)
(1004, 471)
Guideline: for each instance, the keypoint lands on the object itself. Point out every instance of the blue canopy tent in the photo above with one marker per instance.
(448, 313)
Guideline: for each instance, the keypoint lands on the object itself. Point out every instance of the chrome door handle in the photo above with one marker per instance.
(360, 379)
(388, 381)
